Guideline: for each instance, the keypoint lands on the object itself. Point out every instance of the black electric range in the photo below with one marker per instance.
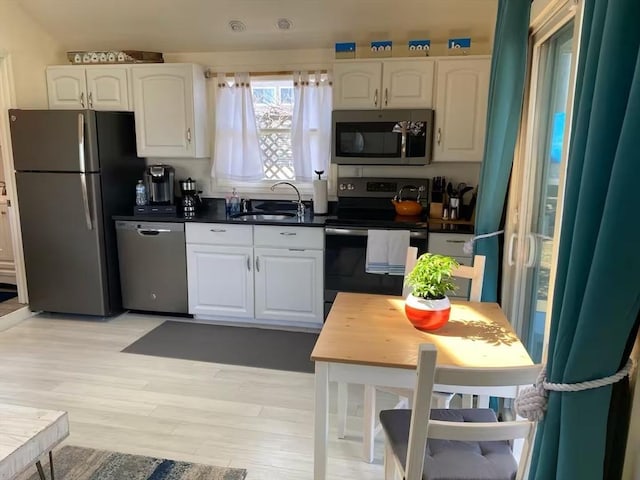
(364, 204)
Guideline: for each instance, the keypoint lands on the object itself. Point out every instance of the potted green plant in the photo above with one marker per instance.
(428, 306)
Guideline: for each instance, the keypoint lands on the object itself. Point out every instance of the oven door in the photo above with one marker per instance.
(344, 264)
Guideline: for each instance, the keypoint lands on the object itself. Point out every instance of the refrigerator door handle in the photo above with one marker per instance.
(83, 175)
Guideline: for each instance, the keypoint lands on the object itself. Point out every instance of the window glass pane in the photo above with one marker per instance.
(273, 104)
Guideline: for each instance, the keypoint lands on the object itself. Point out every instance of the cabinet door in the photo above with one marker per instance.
(461, 108)
(67, 88)
(357, 85)
(220, 280)
(289, 285)
(108, 88)
(6, 248)
(163, 106)
(407, 84)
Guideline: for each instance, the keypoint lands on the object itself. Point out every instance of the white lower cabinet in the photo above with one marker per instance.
(220, 280)
(259, 274)
(289, 285)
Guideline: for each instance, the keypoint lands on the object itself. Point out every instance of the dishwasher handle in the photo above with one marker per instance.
(148, 232)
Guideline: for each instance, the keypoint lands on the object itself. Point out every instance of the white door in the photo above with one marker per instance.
(67, 88)
(163, 106)
(535, 202)
(462, 89)
(407, 84)
(108, 88)
(289, 285)
(357, 85)
(220, 280)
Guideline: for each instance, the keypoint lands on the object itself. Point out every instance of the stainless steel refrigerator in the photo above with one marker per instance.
(75, 169)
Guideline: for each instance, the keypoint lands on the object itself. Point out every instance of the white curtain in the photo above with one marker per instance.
(237, 154)
(311, 125)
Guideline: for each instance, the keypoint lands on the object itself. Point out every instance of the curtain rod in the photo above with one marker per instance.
(210, 74)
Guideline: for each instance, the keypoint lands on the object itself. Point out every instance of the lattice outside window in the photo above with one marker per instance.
(273, 105)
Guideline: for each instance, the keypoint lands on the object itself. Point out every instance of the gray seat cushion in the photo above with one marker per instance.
(453, 460)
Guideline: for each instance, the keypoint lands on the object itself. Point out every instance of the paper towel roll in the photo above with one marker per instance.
(320, 204)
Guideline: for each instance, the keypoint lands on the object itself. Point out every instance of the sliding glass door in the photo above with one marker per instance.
(537, 185)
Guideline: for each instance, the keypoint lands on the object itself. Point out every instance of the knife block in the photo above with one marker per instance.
(435, 210)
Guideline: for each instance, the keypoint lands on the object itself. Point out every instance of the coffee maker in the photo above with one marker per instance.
(159, 182)
(190, 199)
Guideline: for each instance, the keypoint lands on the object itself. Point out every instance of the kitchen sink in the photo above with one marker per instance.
(264, 216)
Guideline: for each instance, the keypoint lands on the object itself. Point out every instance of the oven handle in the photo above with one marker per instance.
(357, 232)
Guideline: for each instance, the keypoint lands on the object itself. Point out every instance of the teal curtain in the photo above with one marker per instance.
(506, 90)
(597, 292)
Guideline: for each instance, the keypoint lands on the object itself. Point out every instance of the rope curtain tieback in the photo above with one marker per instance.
(468, 245)
(531, 402)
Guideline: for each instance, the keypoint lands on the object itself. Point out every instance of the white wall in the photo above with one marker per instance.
(286, 60)
(30, 50)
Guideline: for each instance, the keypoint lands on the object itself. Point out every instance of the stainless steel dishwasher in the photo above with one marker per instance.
(153, 266)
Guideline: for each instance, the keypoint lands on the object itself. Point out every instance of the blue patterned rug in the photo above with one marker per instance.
(78, 463)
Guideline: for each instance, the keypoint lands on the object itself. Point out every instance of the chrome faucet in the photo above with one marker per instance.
(300, 204)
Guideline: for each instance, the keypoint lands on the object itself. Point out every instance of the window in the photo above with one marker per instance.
(273, 105)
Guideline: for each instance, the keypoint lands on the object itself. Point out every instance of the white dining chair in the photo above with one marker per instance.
(440, 399)
(465, 444)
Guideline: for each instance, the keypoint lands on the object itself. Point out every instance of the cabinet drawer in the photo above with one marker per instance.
(289, 237)
(448, 244)
(219, 234)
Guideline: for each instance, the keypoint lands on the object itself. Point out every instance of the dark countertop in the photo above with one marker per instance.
(215, 214)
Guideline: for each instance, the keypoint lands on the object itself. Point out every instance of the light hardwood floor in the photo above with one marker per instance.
(257, 419)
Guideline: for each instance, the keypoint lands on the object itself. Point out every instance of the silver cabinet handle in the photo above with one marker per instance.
(386, 97)
(189, 135)
(248, 263)
(512, 241)
(439, 136)
(375, 98)
(83, 175)
(90, 99)
(217, 230)
(82, 99)
(288, 234)
(257, 264)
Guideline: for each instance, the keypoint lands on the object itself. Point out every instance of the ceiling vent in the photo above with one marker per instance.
(237, 26)
(284, 24)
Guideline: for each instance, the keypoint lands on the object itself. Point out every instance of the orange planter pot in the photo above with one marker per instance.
(427, 314)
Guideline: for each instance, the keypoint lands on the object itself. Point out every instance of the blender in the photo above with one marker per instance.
(190, 199)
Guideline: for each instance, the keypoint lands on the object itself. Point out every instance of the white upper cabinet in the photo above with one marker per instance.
(392, 83)
(104, 87)
(108, 88)
(462, 89)
(170, 108)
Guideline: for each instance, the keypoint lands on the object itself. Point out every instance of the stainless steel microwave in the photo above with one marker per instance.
(382, 137)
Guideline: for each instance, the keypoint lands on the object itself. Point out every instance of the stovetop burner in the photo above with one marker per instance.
(366, 203)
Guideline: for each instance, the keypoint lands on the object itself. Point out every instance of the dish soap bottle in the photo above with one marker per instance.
(234, 203)
(141, 193)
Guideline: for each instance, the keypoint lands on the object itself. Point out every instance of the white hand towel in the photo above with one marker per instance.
(398, 243)
(377, 252)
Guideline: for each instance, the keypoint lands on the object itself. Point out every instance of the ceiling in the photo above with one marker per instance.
(202, 25)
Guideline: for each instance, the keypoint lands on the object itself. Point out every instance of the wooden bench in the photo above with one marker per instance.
(25, 435)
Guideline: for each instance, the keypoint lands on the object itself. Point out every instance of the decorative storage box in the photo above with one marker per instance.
(346, 50)
(381, 48)
(419, 48)
(459, 46)
(114, 56)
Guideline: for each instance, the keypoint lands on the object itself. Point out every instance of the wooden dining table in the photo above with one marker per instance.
(367, 339)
